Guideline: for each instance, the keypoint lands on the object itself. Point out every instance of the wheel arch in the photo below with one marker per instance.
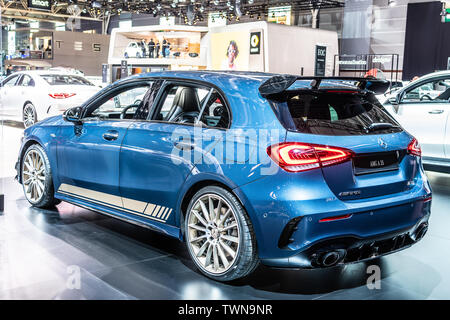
(22, 153)
(25, 103)
(193, 189)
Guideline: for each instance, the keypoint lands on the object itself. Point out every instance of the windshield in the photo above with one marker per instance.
(333, 113)
(59, 79)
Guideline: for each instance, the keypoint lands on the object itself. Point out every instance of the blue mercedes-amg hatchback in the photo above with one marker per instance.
(246, 168)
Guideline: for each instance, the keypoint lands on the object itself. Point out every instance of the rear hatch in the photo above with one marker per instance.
(352, 120)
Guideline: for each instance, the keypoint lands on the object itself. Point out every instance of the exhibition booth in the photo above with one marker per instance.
(271, 47)
(254, 46)
(46, 49)
(174, 48)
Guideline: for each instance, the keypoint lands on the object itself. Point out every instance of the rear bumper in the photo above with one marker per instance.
(351, 249)
(287, 220)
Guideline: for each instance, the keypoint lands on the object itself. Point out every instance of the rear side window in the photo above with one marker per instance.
(57, 79)
(330, 113)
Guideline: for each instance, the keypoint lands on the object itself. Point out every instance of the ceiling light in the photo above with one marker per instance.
(392, 3)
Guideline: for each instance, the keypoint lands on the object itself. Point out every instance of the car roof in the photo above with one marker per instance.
(50, 72)
(237, 78)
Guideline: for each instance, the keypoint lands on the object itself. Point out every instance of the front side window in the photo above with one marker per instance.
(120, 105)
(437, 90)
(11, 81)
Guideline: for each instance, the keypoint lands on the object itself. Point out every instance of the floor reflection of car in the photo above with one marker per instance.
(32, 96)
(133, 50)
(246, 168)
(423, 108)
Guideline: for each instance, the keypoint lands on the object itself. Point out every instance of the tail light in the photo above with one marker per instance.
(61, 95)
(414, 148)
(295, 157)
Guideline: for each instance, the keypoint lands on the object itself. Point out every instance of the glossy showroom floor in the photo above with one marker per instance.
(41, 251)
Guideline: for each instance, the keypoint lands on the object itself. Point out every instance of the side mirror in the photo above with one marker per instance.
(73, 115)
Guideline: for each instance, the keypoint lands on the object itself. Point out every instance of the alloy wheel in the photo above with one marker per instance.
(213, 234)
(29, 116)
(33, 176)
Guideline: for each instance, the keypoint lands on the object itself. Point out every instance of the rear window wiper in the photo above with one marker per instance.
(380, 126)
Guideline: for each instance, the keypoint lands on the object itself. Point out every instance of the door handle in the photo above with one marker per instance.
(111, 135)
(436, 111)
(184, 145)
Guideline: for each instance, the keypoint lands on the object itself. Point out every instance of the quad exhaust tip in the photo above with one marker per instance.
(331, 258)
(420, 232)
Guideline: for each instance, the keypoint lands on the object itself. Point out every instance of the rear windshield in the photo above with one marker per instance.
(331, 113)
(56, 79)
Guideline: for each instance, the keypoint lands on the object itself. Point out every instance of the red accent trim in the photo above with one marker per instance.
(345, 216)
(427, 199)
(61, 95)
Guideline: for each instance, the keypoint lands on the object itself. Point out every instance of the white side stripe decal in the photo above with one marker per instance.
(144, 209)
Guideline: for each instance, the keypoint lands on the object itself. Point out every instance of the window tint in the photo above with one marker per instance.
(126, 101)
(59, 79)
(327, 113)
(215, 113)
(432, 91)
(190, 104)
(180, 104)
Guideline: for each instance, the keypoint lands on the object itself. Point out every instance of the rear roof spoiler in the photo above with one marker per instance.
(280, 83)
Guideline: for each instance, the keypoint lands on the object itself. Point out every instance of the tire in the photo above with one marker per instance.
(36, 176)
(138, 55)
(232, 253)
(29, 115)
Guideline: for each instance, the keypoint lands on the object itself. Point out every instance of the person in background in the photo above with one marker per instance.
(157, 49)
(9, 70)
(415, 78)
(151, 48)
(232, 52)
(164, 45)
(168, 49)
(144, 48)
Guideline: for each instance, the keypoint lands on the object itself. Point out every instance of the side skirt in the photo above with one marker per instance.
(146, 223)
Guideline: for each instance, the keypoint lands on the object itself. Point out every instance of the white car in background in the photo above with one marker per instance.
(133, 50)
(31, 96)
(423, 109)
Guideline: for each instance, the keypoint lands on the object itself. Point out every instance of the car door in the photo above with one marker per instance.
(10, 98)
(423, 111)
(88, 153)
(158, 155)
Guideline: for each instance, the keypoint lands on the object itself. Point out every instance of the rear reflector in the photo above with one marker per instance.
(414, 148)
(427, 199)
(345, 216)
(61, 95)
(295, 156)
